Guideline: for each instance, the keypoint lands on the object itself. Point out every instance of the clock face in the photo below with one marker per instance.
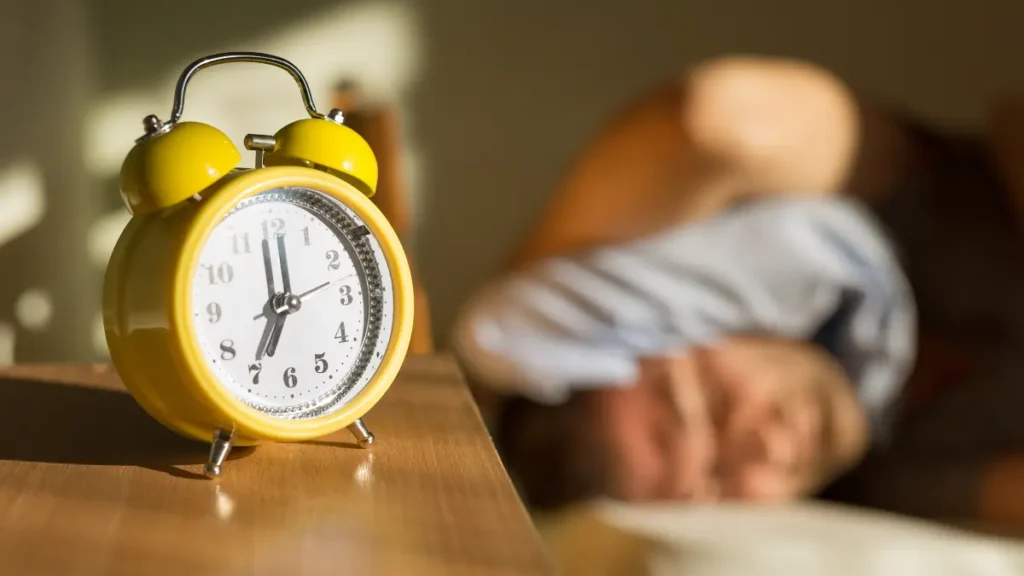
(292, 303)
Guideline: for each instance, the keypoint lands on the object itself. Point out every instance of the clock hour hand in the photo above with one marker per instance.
(268, 330)
(275, 335)
(263, 347)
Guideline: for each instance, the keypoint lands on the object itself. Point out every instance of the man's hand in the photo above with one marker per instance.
(658, 433)
(759, 419)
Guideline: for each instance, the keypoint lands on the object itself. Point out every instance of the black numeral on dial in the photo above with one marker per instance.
(290, 379)
(227, 350)
(340, 335)
(321, 364)
(254, 370)
(213, 309)
(333, 260)
(273, 227)
(240, 244)
(223, 273)
(346, 295)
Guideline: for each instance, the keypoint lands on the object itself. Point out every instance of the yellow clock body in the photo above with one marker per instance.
(227, 296)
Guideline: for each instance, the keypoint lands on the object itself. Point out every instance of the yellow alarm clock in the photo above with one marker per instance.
(249, 305)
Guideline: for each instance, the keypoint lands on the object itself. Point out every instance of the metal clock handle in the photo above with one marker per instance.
(153, 124)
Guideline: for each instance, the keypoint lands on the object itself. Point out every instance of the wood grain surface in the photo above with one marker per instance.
(90, 484)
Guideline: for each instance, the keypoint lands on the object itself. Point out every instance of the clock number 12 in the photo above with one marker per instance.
(273, 227)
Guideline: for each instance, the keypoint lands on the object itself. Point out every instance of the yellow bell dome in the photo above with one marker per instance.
(328, 145)
(170, 165)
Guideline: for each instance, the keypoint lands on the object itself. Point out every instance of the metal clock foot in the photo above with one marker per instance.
(218, 452)
(362, 433)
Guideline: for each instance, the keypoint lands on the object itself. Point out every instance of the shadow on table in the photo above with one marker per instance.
(60, 423)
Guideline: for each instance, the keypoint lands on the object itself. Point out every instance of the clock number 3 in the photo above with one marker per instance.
(346, 295)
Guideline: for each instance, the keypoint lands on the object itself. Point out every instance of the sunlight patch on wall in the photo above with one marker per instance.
(374, 43)
(111, 128)
(99, 336)
(22, 198)
(34, 309)
(103, 234)
(6, 344)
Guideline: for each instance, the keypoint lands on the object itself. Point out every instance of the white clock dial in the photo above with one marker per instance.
(291, 303)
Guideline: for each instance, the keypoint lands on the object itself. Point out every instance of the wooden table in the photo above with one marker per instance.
(89, 484)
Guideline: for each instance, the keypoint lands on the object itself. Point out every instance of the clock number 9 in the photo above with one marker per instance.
(290, 380)
(213, 309)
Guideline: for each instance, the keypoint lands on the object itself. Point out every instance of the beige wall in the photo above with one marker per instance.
(48, 289)
(496, 95)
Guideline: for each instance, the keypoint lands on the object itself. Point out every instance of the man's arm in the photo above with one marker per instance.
(731, 129)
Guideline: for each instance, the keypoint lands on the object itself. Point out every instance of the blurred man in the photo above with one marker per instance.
(707, 255)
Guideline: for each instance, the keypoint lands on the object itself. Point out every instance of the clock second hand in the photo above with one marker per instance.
(311, 292)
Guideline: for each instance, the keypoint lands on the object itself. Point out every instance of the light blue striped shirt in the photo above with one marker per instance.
(797, 267)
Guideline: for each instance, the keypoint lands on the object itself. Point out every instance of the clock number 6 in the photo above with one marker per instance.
(290, 380)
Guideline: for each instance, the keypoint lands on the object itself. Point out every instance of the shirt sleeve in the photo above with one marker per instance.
(800, 268)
